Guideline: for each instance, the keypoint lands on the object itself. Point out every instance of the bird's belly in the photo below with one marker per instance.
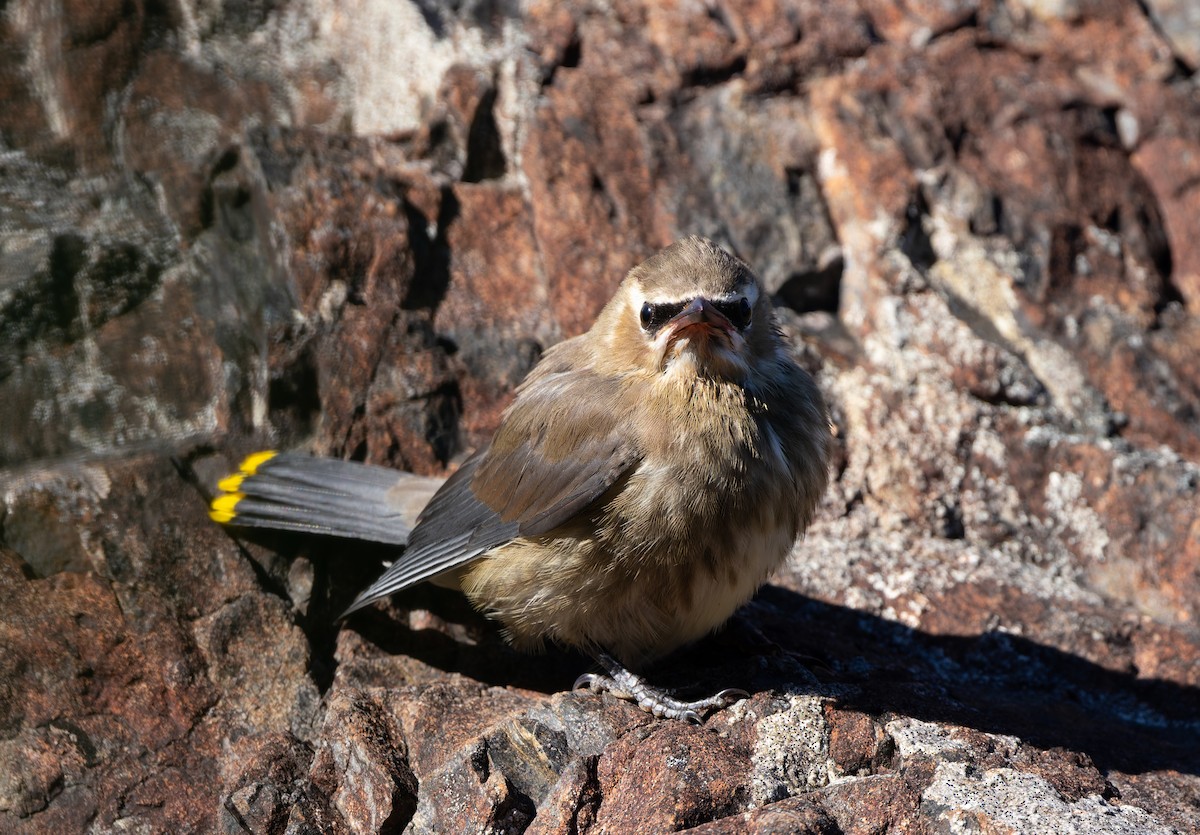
(716, 594)
(636, 609)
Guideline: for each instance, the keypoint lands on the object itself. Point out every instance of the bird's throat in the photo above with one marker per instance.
(695, 353)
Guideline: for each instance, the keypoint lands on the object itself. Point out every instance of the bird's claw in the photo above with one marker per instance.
(633, 688)
(595, 681)
(719, 700)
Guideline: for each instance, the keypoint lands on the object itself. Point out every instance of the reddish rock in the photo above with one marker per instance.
(1173, 796)
(495, 305)
(795, 815)
(1072, 774)
(871, 806)
(60, 65)
(183, 121)
(1170, 165)
(980, 215)
(101, 715)
(591, 191)
(265, 786)
(915, 24)
(669, 776)
(857, 744)
(362, 765)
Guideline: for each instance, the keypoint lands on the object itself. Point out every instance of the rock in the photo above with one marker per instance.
(668, 777)
(585, 158)
(362, 765)
(796, 814)
(1179, 23)
(1004, 799)
(353, 229)
(494, 304)
(266, 785)
(1163, 161)
(104, 719)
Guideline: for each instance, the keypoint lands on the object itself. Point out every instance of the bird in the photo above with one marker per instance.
(646, 480)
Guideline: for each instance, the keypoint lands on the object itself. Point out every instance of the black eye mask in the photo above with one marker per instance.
(654, 316)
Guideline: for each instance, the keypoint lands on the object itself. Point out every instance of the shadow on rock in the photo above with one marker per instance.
(454, 638)
(994, 682)
(782, 641)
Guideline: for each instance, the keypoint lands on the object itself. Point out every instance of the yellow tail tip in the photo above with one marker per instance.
(223, 508)
(231, 483)
(251, 463)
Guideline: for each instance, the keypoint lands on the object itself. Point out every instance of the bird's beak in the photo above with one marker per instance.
(702, 315)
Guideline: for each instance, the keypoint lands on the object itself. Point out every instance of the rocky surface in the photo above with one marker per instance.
(353, 227)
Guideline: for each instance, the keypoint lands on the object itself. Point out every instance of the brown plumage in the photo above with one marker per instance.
(646, 480)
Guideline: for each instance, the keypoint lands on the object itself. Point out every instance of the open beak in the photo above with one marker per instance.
(699, 314)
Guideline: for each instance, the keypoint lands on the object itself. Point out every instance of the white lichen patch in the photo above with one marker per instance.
(791, 754)
(962, 799)
(895, 574)
(1079, 524)
(914, 738)
(379, 83)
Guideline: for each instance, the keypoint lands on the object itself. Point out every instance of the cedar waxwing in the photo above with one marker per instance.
(646, 480)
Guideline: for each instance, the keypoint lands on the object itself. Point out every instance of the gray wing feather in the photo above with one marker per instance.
(554, 463)
(453, 529)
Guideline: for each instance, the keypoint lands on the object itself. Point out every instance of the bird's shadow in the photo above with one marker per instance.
(994, 682)
(463, 642)
(784, 642)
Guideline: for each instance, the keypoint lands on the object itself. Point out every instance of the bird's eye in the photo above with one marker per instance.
(654, 316)
(738, 312)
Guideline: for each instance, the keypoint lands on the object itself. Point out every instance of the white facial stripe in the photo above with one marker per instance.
(749, 290)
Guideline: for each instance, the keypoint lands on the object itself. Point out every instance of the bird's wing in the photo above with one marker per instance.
(563, 443)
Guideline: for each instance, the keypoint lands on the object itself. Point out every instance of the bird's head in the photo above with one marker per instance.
(692, 309)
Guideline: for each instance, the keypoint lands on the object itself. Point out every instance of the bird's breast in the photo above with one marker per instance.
(707, 515)
(712, 464)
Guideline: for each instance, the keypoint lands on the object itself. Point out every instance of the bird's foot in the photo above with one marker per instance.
(630, 686)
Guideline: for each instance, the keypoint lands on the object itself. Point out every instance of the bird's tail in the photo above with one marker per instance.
(291, 492)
